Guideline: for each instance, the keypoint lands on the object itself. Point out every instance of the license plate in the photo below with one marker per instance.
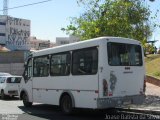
(127, 102)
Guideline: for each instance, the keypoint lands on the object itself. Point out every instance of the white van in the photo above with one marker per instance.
(9, 86)
(4, 74)
(98, 73)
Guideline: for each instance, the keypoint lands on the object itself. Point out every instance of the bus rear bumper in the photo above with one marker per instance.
(103, 103)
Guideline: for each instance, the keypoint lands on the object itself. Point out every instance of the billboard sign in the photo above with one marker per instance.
(17, 33)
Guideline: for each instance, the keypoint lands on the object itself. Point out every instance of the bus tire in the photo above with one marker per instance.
(3, 96)
(26, 100)
(66, 104)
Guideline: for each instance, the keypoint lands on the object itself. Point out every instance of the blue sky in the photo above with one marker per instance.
(48, 18)
(153, 7)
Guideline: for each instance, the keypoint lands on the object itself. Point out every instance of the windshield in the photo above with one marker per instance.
(120, 54)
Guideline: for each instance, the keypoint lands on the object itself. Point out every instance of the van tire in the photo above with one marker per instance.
(3, 96)
(66, 104)
(25, 99)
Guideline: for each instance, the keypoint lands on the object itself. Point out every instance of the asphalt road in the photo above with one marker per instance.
(13, 109)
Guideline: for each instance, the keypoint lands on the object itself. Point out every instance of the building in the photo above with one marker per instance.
(16, 44)
(66, 40)
(38, 44)
(14, 33)
(2, 30)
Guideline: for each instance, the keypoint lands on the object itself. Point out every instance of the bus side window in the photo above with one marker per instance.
(41, 66)
(85, 61)
(60, 64)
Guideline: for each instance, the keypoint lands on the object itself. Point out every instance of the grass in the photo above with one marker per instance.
(152, 64)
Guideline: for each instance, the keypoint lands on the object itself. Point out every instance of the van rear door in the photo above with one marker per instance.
(125, 70)
(12, 85)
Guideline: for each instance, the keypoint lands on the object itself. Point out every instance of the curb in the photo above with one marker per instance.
(145, 111)
(153, 80)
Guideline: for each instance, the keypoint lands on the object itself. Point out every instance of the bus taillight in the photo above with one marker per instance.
(96, 91)
(144, 84)
(105, 88)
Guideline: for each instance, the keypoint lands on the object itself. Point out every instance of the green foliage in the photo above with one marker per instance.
(149, 48)
(152, 65)
(121, 18)
(157, 73)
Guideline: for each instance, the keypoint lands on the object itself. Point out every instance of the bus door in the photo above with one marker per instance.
(26, 82)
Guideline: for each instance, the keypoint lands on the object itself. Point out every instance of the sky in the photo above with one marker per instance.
(48, 18)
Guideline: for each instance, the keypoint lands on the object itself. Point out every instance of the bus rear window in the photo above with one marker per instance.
(120, 54)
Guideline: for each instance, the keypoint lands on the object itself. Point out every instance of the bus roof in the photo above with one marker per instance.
(85, 43)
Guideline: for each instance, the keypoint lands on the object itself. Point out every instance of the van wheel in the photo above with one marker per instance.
(26, 100)
(3, 96)
(66, 104)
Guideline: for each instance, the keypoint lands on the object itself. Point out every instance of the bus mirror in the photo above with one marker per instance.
(25, 76)
(25, 64)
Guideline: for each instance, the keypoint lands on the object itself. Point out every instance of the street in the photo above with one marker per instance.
(13, 109)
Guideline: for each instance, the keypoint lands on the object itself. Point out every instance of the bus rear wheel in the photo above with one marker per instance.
(26, 100)
(66, 104)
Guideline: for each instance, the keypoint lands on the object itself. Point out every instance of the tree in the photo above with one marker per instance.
(122, 18)
(149, 48)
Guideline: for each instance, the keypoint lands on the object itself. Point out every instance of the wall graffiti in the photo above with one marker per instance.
(18, 32)
(14, 21)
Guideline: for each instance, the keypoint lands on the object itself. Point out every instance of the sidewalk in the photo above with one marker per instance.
(152, 101)
(152, 89)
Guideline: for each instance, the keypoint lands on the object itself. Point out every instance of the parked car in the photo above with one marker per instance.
(9, 86)
(4, 74)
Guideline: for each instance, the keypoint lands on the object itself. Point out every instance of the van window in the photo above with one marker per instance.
(85, 61)
(13, 80)
(2, 80)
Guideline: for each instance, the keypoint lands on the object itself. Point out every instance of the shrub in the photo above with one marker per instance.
(157, 73)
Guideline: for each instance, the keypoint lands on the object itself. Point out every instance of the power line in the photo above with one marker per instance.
(28, 5)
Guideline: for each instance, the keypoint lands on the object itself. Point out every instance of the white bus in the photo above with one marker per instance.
(98, 73)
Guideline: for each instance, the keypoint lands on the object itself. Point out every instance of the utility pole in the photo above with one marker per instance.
(5, 7)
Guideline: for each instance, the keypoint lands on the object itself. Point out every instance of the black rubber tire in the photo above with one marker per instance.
(26, 102)
(66, 105)
(3, 96)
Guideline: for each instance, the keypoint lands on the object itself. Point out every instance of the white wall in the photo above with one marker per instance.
(66, 40)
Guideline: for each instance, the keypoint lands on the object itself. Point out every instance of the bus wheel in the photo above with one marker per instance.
(26, 100)
(66, 104)
(3, 96)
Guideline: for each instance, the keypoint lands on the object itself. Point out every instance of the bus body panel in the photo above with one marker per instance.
(52, 87)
